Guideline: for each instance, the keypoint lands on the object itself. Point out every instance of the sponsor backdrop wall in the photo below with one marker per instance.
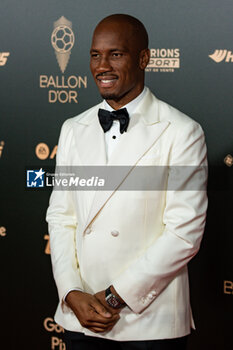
(45, 79)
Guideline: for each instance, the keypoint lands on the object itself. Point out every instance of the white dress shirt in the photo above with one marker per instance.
(113, 135)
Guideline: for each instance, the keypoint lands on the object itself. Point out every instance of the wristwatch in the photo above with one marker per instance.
(112, 299)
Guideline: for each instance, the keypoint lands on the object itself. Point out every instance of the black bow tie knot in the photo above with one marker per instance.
(106, 119)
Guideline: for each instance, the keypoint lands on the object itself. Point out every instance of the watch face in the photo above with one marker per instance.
(113, 301)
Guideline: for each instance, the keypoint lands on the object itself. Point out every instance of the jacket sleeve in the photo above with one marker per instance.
(183, 219)
(62, 225)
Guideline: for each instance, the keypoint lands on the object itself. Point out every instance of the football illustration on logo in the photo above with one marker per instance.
(62, 39)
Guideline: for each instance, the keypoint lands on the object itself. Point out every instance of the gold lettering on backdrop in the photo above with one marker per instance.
(51, 326)
(222, 56)
(67, 94)
(228, 287)
(63, 96)
(2, 231)
(47, 247)
(51, 82)
(43, 81)
(43, 152)
(3, 58)
(2, 143)
(57, 82)
(163, 60)
(229, 57)
(57, 343)
(53, 153)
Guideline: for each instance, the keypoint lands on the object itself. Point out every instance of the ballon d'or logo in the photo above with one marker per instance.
(62, 40)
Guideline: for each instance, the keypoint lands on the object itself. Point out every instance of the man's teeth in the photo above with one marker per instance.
(107, 81)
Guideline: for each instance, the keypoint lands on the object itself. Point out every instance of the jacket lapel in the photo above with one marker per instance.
(144, 130)
(89, 138)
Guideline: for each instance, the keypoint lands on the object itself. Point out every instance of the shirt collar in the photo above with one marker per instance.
(131, 106)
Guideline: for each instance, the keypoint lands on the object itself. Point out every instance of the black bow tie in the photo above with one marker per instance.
(106, 119)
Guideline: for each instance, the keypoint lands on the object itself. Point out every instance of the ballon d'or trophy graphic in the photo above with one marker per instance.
(62, 40)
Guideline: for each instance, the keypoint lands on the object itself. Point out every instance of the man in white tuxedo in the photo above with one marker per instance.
(120, 257)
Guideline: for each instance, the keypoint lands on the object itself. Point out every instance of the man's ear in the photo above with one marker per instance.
(144, 58)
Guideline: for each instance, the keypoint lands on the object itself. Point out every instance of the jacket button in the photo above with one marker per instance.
(150, 296)
(115, 233)
(88, 231)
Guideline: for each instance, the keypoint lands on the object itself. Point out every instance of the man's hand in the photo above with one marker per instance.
(90, 311)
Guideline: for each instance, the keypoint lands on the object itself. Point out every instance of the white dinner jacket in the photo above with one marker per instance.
(139, 241)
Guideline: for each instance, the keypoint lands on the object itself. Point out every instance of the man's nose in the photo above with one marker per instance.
(104, 65)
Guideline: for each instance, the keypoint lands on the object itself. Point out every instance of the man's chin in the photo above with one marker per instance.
(109, 96)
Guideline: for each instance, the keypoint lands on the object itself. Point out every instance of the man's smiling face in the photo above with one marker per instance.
(116, 63)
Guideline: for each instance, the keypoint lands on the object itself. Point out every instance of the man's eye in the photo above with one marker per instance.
(117, 54)
(94, 55)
